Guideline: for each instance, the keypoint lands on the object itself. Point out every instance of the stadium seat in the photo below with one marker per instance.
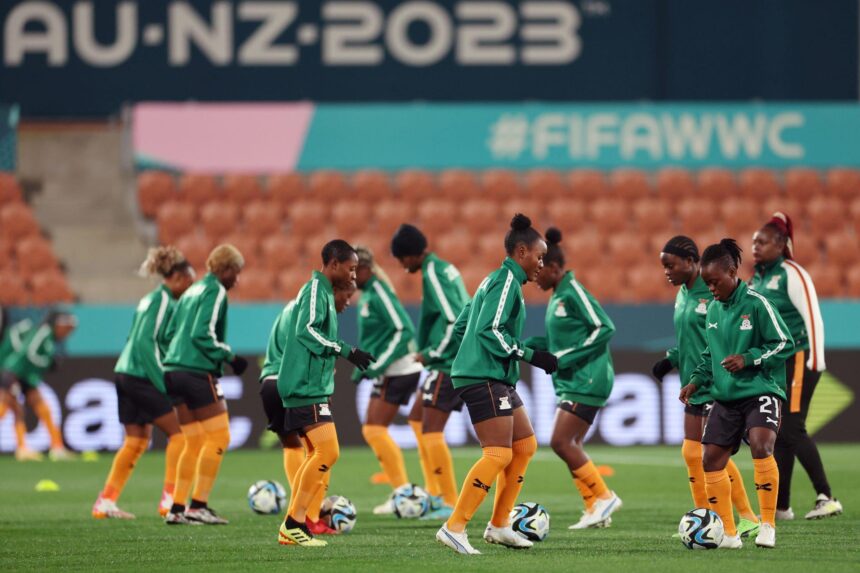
(436, 216)
(852, 280)
(379, 245)
(653, 215)
(716, 183)
(648, 283)
(255, 284)
(808, 253)
(490, 248)
(535, 295)
(7, 254)
(248, 244)
(802, 184)
(500, 183)
(390, 214)
(154, 188)
(285, 187)
(480, 215)
(281, 252)
(842, 249)
(458, 184)
(854, 213)
(457, 247)
(199, 188)
(610, 215)
(607, 283)
(10, 191)
(675, 183)
(791, 206)
(174, 220)
(843, 183)
(826, 215)
(17, 221)
(196, 248)
(566, 213)
(827, 280)
(626, 248)
(587, 183)
(241, 188)
(407, 287)
(741, 218)
(219, 218)
(325, 185)
(13, 291)
(307, 216)
(263, 218)
(697, 215)
(629, 184)
(584, 249)
(351, 217)
(415, 185)
(475, 273)
(50, 287)
(541, 184)
(289, 281)
(371, 185)
(34, 254)
(532, 208)
(758, 183)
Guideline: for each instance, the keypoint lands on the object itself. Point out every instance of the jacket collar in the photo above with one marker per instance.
(369, 284)
(326, 284)
(699, 286)
(163, 288)
(210, 278)
(565, 281)
(515, 268)
(762, 268)
(739, 292)
(431, 257)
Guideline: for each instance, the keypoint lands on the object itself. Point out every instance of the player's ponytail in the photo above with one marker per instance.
(521, 232)
(554, 254)
(366, 259)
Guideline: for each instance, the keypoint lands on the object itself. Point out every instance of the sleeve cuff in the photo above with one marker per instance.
(750, 360)
(528, 354)
(345, 349)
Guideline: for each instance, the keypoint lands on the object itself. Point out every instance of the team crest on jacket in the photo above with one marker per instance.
(745, 322)
(560, 310)
(703, 306)
(365, 310)
(773, 283)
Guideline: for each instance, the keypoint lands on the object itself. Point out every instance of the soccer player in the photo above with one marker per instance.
(12, 341)
(578, 332)
(386, 331)
(141, 396)
(306, 382)
(744, 368)
(444, 296)
(680, 260)
(294, 452)
(22, 370)
(485, 371)
(790, 289)
(193, 363)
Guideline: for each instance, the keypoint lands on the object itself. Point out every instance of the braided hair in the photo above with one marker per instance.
(683, 247)
(726, 252)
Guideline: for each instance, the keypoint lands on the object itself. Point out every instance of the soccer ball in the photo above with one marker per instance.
(338, 513)
(531, 520)
(701, 529)
(267, 497)
(410, 501)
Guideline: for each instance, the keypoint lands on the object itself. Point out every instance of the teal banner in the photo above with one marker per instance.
(8, 137)
(604, 136)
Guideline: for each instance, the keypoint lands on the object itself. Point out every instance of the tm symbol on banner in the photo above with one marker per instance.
(509, 136)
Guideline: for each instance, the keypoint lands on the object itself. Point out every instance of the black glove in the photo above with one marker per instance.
(661, 368)
(239, 365)
(545, 361)
(360, 358)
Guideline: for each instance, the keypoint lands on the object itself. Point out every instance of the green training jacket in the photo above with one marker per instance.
(311, 347)
(578, 332)
(384, 328)
(275, 346)
(491, 348)
(13, 338)
(141, 355)
(35, 356)
(197, 329)
(691, 308)
(443, 298)
(789, 288)
(747, 324)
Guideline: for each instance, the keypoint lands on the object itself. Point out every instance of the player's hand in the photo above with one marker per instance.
(239, 365)
(360, 358)
(686, 392)
(661, 368)
(733, 363)
(546, 361)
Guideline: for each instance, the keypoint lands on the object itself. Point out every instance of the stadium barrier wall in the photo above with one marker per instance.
(8, 137)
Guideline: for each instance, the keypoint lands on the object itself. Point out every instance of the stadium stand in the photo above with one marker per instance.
(614, 223)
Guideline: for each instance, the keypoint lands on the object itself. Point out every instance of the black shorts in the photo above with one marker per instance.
(729, 421)
(139, 402)
(295, 419)
(273, 406)
(195, 389)
(395, 389)
(439, 392)
(584, 411)
(700, 410)
(11, 384)
(490, 399)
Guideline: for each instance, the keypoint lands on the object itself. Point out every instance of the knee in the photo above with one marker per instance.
(501, 457)
(525, 448)
(712, 462)
(761, 450)
(371, 431)
(559, 445)
(691, 452)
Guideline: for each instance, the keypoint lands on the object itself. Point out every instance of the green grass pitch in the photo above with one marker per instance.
(45, 531)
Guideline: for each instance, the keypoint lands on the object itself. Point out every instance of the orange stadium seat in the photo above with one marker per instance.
(50, 287)
(648, 283)
(437, 216)
(248, 244)
(285, 187)
(13, 291)
(716, 183)
(280, 252)
(741, 218)
(17, 221)
(587, 183)
(196, 249)
(457, 247)
(458, 184)
(500, 183)
(606, 282)
(379, 245)
(842, 249)
(242, 188)
(415, 185)
(757, 183)
(490, 247)
(34, 254)
(255, 284)
(697, 215)
(289, 281)
(535, 295)
(199, 188)
(351, 217)
(802, 184)
(653, 215)
(219, 218)
(528, 206)
(175, 220)
(7, 254)
(843, 183)
(307, 216)
(852, 279)
(391, 214)
(568, 214)
(610, 214)
(626, 248)
(407, 287)
(479, 215)
(328, 185)
(807, 253)
(371, 185)
(263, 218)
(584, 249)
(826, 215)
(828, 280)
(791, 206)
(476, 272)
(629, 184)
(545, 184)
(154, 188)
(675, 183)
(10, 191)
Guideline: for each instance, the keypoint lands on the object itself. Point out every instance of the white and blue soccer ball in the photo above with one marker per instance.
(410, 501)
(338, 513)
(531, 520)
(701, 529)
(267, 497)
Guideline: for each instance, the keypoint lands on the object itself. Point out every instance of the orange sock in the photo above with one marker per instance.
(123, 464)
(430, 481)
(4, 407)
(43, 412)
(441, 465)
(217, 440)
(510, 480)
(324, 453)
(293, 459)
(592, 479)
(20, 434)
(719, 490)
(588, 497)
(294, 491)
(477, 485)
(187, 463)
(316, 503)
(766, 478)
(175, 445)
(692, 452)
(739, 492)
(387, 452)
